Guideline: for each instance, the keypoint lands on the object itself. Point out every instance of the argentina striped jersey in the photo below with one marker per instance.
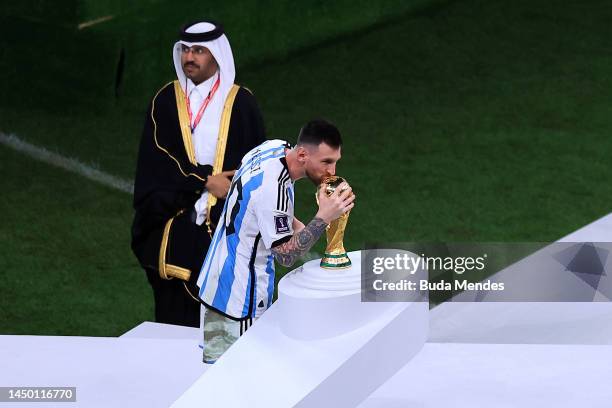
(237, 277)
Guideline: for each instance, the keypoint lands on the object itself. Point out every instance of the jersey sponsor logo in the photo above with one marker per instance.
(282, 224)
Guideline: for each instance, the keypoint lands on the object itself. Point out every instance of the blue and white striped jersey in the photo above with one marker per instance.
(237, 277)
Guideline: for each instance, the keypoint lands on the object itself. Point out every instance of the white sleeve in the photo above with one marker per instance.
(274, 210)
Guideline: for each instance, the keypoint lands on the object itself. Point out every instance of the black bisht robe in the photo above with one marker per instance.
(161, 190)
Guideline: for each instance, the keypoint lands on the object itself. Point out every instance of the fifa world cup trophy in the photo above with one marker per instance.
(335, 255)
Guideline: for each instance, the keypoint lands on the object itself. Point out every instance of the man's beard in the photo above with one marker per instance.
(316, 180)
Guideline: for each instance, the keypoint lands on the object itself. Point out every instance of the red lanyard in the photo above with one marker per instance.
(204, 104)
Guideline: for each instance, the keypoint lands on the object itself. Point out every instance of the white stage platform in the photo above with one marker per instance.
(496, 322)
(107, 372)
(111, 372)
(561, 358)
(500, 376)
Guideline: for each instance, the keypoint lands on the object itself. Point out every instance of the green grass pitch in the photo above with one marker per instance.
(473, 120)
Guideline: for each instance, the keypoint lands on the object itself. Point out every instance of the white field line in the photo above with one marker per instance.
(66, 163)
(93, 22)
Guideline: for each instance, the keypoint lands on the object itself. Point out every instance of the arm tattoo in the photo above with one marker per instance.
(286, 254)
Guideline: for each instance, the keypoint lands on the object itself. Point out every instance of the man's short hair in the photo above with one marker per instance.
(319, 131)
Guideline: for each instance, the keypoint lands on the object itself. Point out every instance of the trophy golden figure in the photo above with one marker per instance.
(335, 255)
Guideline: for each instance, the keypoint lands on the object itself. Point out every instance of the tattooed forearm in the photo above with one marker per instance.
(299, 244)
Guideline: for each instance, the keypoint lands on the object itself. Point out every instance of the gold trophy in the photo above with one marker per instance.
(335, 255)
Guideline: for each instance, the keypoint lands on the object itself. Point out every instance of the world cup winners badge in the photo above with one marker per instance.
(335, 255)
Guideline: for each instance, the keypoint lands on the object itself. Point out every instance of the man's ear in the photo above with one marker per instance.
(302, 154)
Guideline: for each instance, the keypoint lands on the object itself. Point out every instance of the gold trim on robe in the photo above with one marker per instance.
(184, 121)
(157, 143)
(226, 117)
(168, 271)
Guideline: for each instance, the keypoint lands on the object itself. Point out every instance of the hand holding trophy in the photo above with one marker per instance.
(335, 204)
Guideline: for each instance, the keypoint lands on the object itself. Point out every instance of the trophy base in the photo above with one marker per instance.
(335, 261)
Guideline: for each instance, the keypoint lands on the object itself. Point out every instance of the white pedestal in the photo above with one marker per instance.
(317, 344)
(321, 303)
